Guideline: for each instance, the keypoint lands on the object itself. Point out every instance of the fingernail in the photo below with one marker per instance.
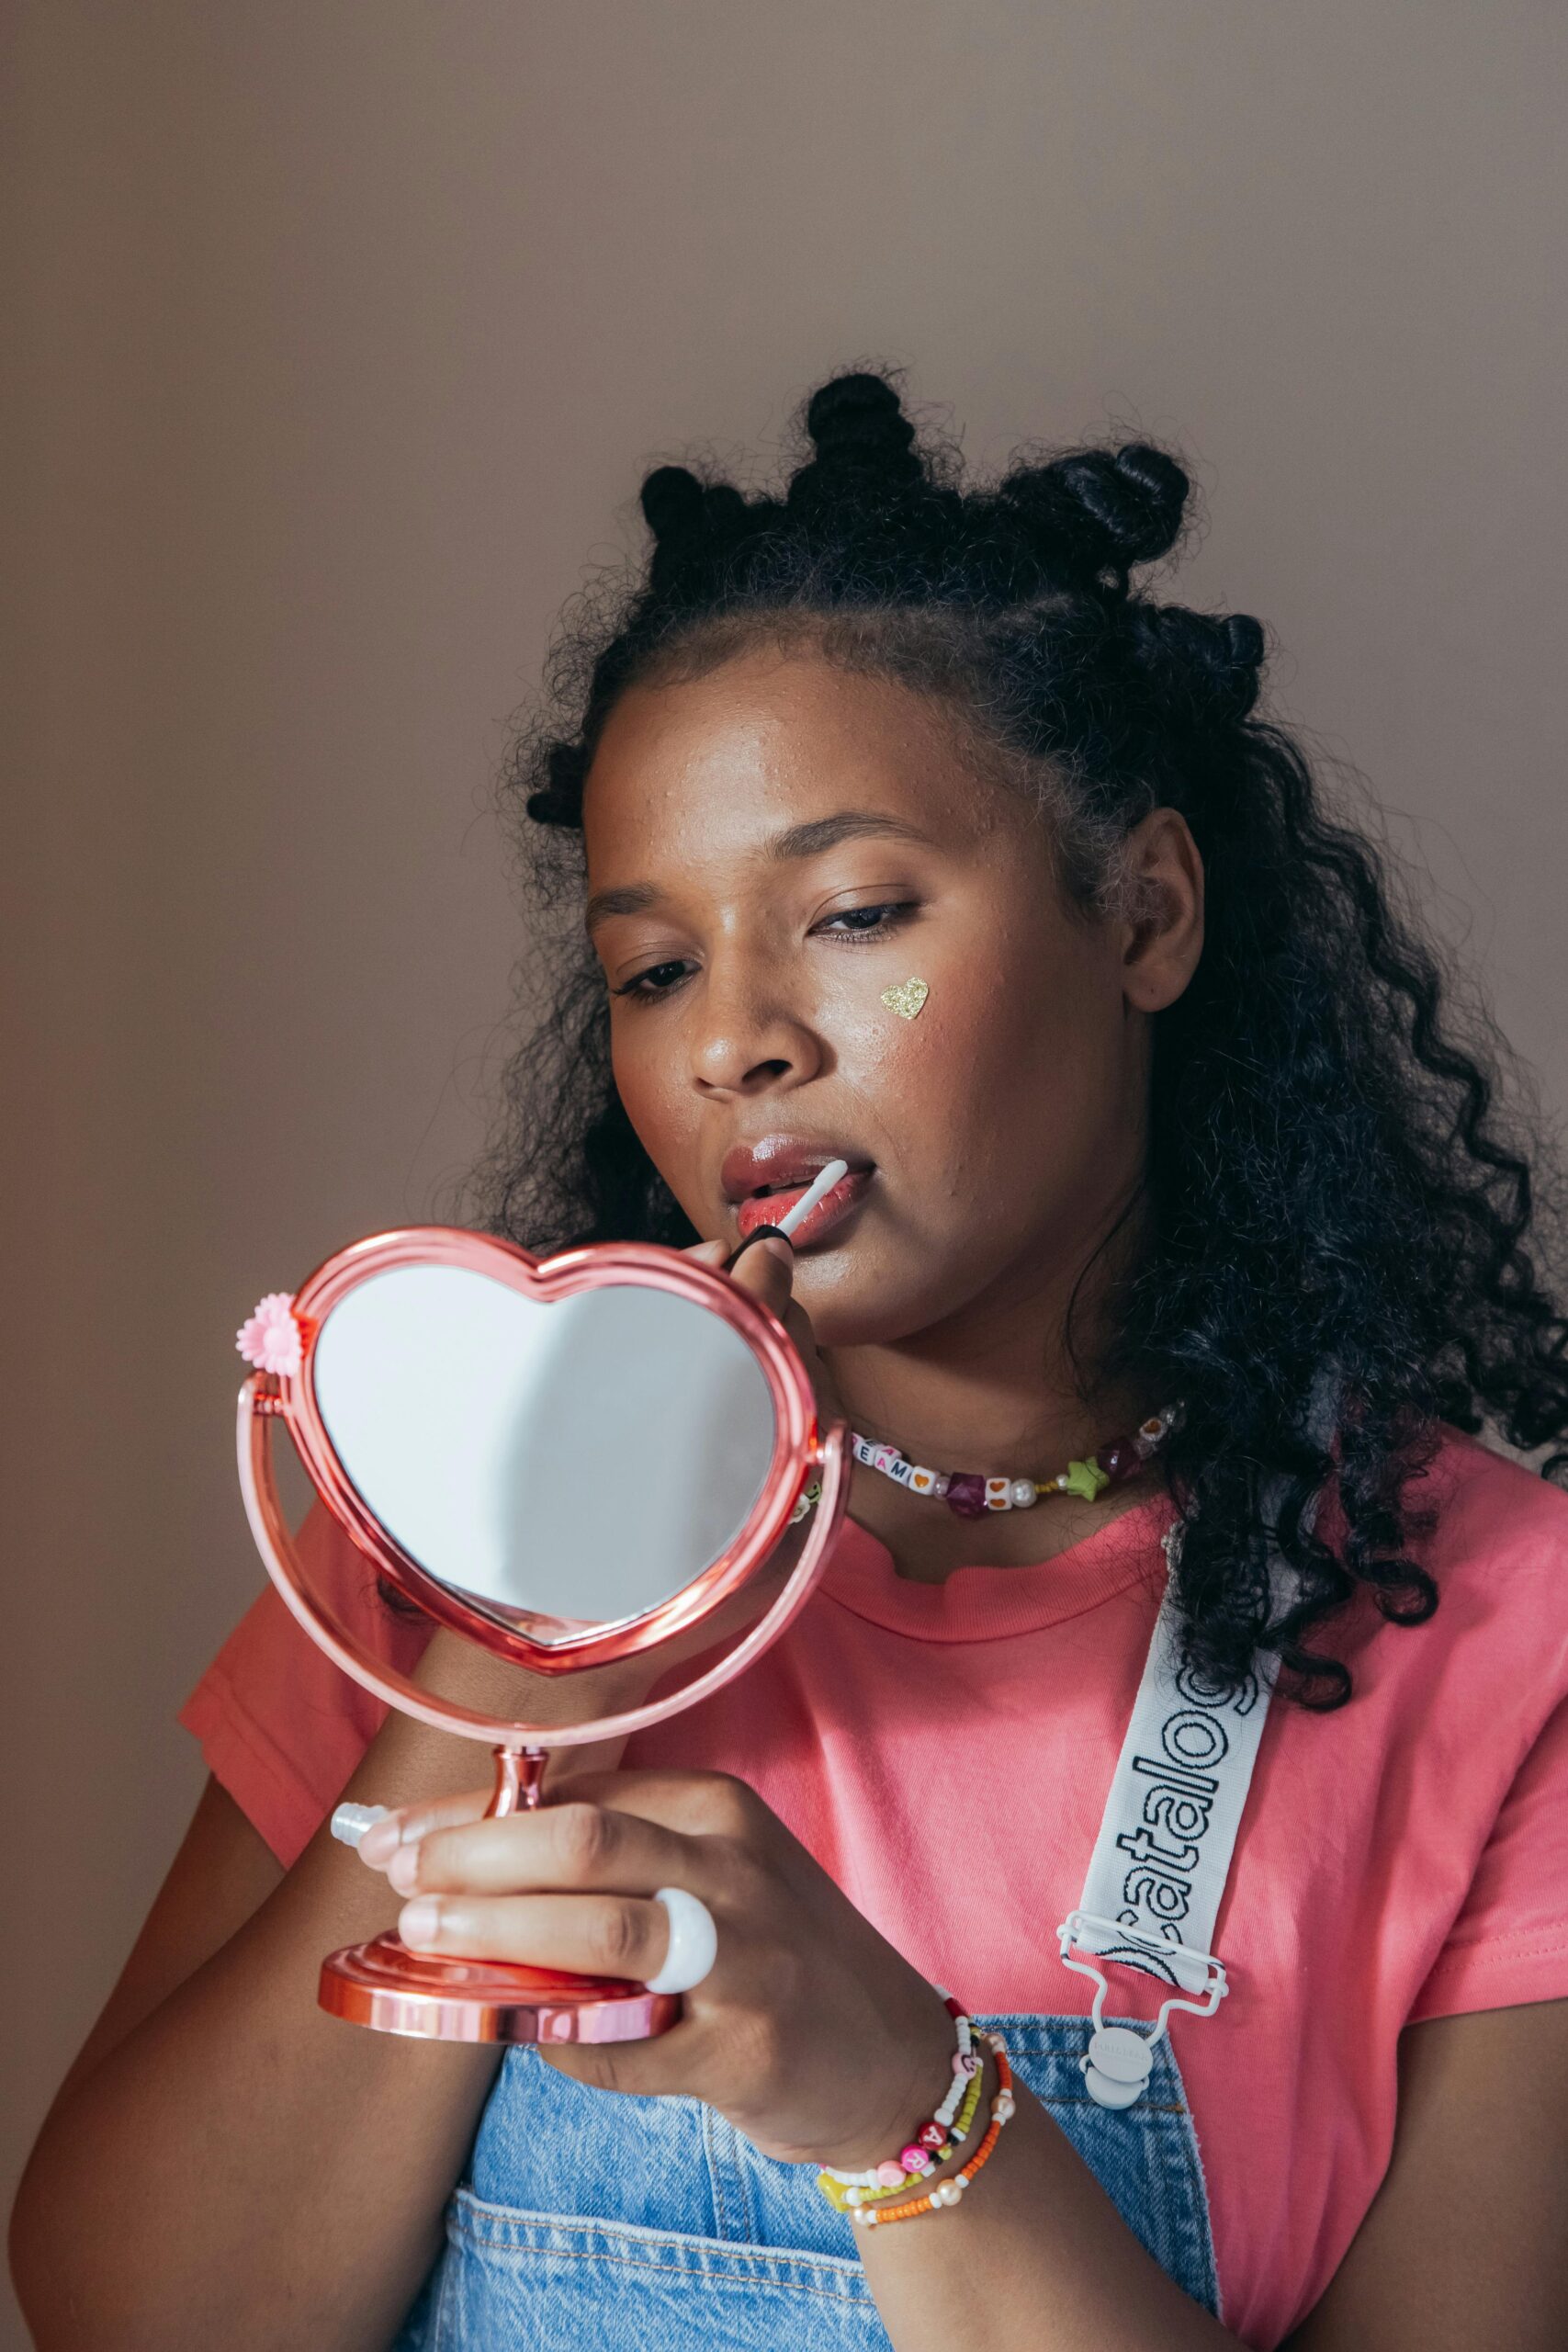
(402, 1871)
(352, 1823)
(419, 1922)
(779, 1246)
(381, 1842)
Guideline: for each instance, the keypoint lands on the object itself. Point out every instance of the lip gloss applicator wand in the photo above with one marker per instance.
(818, 1190)
(823, 1183)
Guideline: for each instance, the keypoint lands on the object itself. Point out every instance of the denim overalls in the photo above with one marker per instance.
(589, 2219)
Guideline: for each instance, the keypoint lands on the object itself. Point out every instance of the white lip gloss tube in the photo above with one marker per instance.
(822, 1184)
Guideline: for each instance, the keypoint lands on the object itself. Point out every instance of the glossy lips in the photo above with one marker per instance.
(765, 1179)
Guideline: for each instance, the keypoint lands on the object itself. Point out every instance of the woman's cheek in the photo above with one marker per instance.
(992, 1096)
(955, 1058)
(660, 1113)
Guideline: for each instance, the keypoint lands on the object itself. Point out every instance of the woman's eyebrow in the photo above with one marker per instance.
(631, 899)
(796, 841)
(849, 825)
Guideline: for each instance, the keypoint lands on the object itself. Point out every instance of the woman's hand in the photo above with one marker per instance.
(767, 1271)
(811, 2033)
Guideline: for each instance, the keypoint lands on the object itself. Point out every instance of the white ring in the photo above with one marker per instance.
(694, 1942)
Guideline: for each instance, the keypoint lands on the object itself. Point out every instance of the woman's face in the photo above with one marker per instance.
(771, 846)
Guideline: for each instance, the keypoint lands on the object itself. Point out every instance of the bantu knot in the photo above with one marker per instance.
(724, 509)
(1107, 510)
(859, 430)
(1245, 640)
(1236, 671)
(673, 501)
(559, 800)
(858, 416)
(1215, 660)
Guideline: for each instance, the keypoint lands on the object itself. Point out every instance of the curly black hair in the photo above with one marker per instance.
(1334, 1189)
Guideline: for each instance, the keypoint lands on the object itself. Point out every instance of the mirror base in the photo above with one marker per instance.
(386, 1986)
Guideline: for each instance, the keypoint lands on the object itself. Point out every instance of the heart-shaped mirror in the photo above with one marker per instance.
(568, 1460)
(558, 1463)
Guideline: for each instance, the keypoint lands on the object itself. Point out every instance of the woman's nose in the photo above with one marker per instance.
(747, 1040)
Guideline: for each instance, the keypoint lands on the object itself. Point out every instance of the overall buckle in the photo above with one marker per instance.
(1120, 2060)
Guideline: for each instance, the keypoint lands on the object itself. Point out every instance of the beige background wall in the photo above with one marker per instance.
(340, 334)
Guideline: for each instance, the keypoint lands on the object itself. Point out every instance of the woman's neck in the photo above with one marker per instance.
(988, 1391)
(927, 1543)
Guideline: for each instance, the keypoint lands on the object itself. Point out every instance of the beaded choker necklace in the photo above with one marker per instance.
(970, 1494)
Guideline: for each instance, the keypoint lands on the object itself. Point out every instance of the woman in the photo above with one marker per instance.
(911, 835)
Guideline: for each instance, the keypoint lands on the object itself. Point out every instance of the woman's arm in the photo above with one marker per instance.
(257, 2173)
(1466, 2243)
(221, 1875)
(820, 2042)
(1035, 2257)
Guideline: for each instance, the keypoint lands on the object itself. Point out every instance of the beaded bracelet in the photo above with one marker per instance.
(920, 2154)
(930, 2143)
(846, 2200)
(948, 2192)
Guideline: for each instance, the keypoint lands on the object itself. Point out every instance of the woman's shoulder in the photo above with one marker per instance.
(279, 1726)
(1495, 1522)
(1493, 1535)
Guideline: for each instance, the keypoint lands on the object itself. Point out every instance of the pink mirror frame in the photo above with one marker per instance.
(800, 1451)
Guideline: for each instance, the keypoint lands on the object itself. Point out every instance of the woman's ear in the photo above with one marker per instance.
(1163, 937)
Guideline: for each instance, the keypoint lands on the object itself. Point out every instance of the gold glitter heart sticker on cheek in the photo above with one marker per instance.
(907, 998)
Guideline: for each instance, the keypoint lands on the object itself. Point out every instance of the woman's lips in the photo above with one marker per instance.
(766, 1208)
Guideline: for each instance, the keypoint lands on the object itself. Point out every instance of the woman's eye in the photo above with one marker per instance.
(871, 922)
(876, 922)
(658, 980)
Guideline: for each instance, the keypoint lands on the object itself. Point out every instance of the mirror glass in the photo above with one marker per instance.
(583, 1459)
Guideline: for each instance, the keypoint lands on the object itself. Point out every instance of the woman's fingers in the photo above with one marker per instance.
(767, 1271)
(692, 1804)
(592, 1935)
(708, 1253)
(383, 1838)
(568, 1886)
(565, 1848)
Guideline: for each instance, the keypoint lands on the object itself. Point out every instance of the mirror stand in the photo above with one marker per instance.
(424, 1996)
(518, 1772)
(382, 1984)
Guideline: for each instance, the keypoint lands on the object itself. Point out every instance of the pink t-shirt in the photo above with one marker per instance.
(945, 1751)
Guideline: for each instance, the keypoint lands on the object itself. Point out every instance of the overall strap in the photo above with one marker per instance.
(1163, 1855)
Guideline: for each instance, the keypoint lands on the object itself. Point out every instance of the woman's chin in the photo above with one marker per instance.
(857, 1307)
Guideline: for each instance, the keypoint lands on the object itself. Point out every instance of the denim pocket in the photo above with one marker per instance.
(517, 2278)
